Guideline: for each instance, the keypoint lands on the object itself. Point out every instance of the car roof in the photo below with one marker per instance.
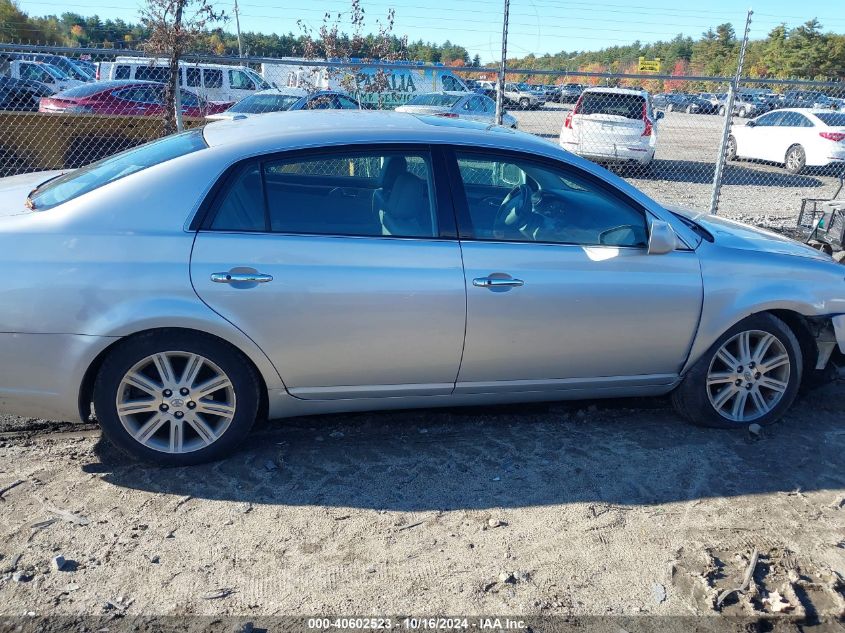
(279, 131)
(289, 92)
(111, 84)
(619, 91)
(811, 111)
(451, 93)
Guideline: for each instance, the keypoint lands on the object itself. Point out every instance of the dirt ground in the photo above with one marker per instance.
(612, 508)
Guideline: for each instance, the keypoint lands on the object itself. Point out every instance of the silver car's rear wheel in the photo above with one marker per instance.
(176, 397)
(748, 376)
(175, 402)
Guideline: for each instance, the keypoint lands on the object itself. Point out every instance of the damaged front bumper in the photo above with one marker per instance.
(830, 341)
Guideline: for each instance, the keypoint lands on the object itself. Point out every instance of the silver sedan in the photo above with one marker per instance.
(457, 105)
(303, 263)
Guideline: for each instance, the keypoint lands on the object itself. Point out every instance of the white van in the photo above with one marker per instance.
(213, 82)
(55, 78)
(403, 82)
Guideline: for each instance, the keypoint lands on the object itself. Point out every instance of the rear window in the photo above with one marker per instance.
(257, 104)
(444, 101)
(617, 104)
(81, 181)
(834, 119)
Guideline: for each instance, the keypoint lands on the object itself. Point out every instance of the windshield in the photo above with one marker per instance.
(86, 179)
(257, 104)
(617, 104)
(80, 71)
(440, 100)
(833, 119)
(55, 72)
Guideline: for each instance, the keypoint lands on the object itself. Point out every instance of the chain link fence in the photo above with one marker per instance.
(63, 108)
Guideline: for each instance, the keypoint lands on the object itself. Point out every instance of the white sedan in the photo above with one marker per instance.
(794, 137)
(457, 105)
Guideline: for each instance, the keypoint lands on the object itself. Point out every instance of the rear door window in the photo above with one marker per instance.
(795, 119)
(122, 72)
(194, 77)
(212, 77)
(377, 193)
(152, 73)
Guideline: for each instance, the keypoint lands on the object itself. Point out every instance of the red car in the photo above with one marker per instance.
(138, 98)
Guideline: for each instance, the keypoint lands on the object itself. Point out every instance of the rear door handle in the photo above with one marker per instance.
(496, 282)
(234, 278)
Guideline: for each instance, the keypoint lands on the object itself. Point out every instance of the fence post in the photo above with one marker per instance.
(729, 109)
(177, 104)
(500, 82)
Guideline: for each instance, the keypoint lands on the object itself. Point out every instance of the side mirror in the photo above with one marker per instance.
(661, 238)
(659, 116)
(510, 174)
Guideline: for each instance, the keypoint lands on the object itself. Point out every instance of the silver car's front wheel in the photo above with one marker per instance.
(176, 402)
(176, 397)
(748, 376)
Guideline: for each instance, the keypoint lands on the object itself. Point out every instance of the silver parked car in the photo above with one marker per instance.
(457, 105)
(309, 262)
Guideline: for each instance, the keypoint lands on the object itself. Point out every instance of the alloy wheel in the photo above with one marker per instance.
(748, 376)
(175, 402)
(794, 159)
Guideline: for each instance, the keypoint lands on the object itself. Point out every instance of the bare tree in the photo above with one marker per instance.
(175, 27)
(383, 47)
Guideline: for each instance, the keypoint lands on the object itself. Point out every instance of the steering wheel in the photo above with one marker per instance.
(514, 210)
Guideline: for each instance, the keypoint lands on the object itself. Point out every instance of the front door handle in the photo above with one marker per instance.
(497, 282)
(235, 278)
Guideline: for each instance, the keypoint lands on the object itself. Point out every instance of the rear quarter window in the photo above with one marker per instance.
(833, 119)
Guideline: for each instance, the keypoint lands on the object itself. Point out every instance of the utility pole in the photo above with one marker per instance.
(729, 108)
(238, 27)
(500, 83)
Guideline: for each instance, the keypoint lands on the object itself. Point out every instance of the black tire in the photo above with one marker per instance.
(795, 159)
(691, 399)
(743, 113)
(242, 375)
(670, 107)
(730, 150)
(722, 110)
(689, 109)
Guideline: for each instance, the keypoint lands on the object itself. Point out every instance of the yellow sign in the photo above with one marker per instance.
(649, 65)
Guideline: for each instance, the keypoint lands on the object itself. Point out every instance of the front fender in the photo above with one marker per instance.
(739, 283)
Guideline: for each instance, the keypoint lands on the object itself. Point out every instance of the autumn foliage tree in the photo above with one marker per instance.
(332, 43)
(174, 27)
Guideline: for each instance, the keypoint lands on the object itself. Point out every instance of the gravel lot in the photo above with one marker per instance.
(685, 162)
(577, 510)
